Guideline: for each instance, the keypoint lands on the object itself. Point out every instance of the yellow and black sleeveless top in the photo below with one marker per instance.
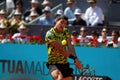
(54, 56)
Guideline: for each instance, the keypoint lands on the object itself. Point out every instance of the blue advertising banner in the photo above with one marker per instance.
(28, 62)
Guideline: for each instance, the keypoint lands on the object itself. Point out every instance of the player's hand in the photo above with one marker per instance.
(78, 64)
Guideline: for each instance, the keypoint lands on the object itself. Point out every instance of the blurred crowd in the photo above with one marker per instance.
(96, 39)
(14, 19)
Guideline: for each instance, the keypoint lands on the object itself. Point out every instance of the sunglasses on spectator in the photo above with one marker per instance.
(92, 2)
(77, 15)
(23, 29)
(104, 31)
(114, 35)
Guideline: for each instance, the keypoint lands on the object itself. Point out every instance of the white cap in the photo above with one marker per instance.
(59, 12)
(46, 2)
(2, 11)
(22, 27)
(33, 13)
(34, 1)
(2, 26)
(17, 12)
(77, 12)
(47, 8)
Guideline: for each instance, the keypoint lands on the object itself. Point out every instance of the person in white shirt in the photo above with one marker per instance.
(103, 39)
(119, 39)
(21, 37)
(75, 38)
(114, 40)
(94, 14)
(83, 36)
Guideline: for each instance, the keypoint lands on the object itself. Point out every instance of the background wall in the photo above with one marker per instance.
(28, 62)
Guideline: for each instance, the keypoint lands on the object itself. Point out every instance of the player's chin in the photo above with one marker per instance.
(61, 29)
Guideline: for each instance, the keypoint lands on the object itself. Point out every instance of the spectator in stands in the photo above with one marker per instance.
(17, 16)
(34, 7)
(84, 39)
(69, 11)
(75, 38)
(103, 39)
(33, 15)
(3, 15)
(114, 40)
(78, 20)
(46, 3)
(47, 19)
(93, 14)
(4, 36)
(93, 41)
(18, 6)
(21, 36)
(59, 13)
(2, 31)
(16, 21)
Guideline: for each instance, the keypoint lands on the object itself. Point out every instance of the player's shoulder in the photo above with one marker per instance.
(65, 29)
(49, 32)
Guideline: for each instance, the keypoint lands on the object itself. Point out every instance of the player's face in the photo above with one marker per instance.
(61, 24)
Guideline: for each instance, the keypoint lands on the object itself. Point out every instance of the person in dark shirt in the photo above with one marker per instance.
(79, 20)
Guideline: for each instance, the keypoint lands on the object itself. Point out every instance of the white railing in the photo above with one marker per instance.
(2, 5)
(53, 10)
